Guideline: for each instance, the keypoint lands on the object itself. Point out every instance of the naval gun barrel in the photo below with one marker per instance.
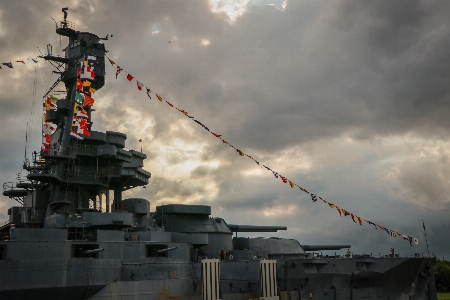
(324, 247)
(87, 252)
(254, 228)
(165, 250)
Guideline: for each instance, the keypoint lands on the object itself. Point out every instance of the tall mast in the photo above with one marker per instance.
(81, 45)
(77, 165)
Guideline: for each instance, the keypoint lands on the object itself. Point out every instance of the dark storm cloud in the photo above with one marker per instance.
(405, 44)
(358, 86)
(358, 97)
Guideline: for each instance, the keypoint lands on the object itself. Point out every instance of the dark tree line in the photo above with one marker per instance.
(442, 276)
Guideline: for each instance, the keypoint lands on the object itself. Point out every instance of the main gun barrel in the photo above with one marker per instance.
(165, 250)
(254, 228)
(324, 247)
(87, 252)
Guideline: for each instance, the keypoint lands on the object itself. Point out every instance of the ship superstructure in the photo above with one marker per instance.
(64, 242)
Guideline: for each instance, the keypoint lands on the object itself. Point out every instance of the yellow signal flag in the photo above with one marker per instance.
(112, 63)
(302, 189)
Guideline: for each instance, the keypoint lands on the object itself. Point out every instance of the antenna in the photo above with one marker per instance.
(49, 49)
(40, 52)
(426, 240)
(64, 10)
(162, 215)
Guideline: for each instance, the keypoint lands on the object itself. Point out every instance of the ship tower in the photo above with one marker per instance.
(74, 170)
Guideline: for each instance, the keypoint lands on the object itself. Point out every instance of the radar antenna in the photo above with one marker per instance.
(64, 10)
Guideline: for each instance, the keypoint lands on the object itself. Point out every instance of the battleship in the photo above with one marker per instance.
(68, 240)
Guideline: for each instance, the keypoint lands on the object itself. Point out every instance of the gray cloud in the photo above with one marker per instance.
(426, 179)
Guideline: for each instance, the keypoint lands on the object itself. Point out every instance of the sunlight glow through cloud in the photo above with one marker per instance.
(232, 8)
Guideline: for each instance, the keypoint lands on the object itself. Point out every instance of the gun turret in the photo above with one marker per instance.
(254, 228)
(324, 247)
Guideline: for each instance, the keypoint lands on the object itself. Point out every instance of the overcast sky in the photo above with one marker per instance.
(348, 99)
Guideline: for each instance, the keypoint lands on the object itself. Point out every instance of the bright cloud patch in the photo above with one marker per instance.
(231, 8)
(280, 210)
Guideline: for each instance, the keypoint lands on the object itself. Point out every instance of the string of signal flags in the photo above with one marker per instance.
(342, 212)
(10, 64)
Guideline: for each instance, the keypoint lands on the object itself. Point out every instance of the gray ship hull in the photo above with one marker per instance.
(342, 278)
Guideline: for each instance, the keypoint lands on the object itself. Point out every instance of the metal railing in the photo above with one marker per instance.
(65, 24)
